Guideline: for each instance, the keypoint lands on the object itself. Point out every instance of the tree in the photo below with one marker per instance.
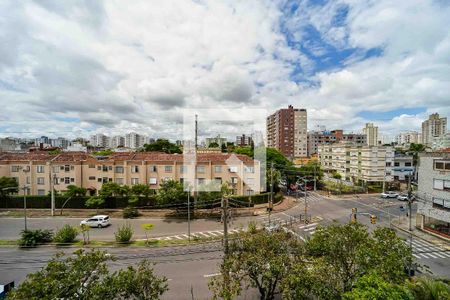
(429, 289)
(95, 202)
(84, 228)
(8, 185)
(106, 152)
(147, 228)
(212, 191)
(162, 145)
(261, 261)
(213, 145)
(74, 191)
(141, 190)
(171, 192)
(85, 275)
(414, 150)
(374, 287)
(112, 189)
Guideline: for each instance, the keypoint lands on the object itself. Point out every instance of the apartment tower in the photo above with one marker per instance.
(432, 128)
(371, 133)
(287, 132)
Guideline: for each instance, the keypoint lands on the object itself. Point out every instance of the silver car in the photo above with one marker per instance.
(97, 221)
(389, 194)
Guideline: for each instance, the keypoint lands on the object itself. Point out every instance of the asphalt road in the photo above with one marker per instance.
(190, 267)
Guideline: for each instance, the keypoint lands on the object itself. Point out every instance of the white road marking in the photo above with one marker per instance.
(211, 275)
(309, 229)
(309, 225)
(204, 234)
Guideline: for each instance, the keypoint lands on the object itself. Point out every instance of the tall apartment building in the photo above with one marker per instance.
(317, 138)
(432, 128)
(408, 137)
(287, 132)
(358, 163)
(99, 140)
(134, 140)
(433, 191)
(34, 170)
(441, 142)
(117, 141)
(371, 133)
(244, 140)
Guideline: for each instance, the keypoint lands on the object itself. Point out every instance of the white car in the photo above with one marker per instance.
(389, 194)
(404, 197)
(97, 221)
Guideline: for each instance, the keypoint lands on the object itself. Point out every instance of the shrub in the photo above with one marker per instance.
(130, 212)
(32, 238)
(66, 235)
(252, 227)
(124, 233)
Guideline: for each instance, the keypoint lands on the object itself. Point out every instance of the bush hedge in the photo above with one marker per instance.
(33, 238)
(67, 234)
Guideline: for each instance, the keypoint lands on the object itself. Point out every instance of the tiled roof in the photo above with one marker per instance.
(129, 156)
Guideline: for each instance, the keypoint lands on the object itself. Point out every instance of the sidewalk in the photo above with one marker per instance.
(403, 226)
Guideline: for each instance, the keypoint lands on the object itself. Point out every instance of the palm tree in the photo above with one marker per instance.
(414, 149)
(426, 288)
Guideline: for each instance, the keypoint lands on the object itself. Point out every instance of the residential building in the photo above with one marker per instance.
(134, 140)
(60, 142)
(358, 163)
(9, 144)
(244, 140)
(408, 137)
(317, 138)
(371, 133)
(287, 132)
(433, 192)
(441, 142)
(432, 128)
(76, 147)
(403, 167)
(34, 170)
(218, 140)
(117, 141)
(99, 140)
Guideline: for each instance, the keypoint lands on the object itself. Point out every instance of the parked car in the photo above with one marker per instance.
(404, 197)
(389, 194)
(97, 221)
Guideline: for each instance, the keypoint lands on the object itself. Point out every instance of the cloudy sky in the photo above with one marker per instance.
(71, 68)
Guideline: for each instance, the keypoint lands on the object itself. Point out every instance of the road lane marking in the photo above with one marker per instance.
(309, 225)
(309, 229)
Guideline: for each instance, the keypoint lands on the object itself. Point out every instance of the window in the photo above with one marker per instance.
(152, 180)
(183, 169)
(134, 169)
(66, 168)
(388, 164)
(408, 164)
(200, 181)
(91, 166)
(28, 180)
(15, 168)
(234, 179)
(442, 165)
(441, 184)
(250, 169)
(72, 179)
(109, 168)
(134, 181)
(99, 168)
(66, 180)
(119, 169)
(105, 168)
(441, 203)
(99, 179)
(40, 180)
(233, 169)
(153, 169)
(168, 169)
(105, 179)
(40, 169)
(41, 192)
(218, 180)
(201, 169)
(119, 180)
(396, 164)
(55, 169)
(218, 169)
(91, 177)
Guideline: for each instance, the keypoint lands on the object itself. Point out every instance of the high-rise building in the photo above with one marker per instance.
(99, 140)
(408, 137)
(432, 128)
(117, 141)
(371, 133)
(244, 140)
(316, 138)
(287, 132)
(134, 140)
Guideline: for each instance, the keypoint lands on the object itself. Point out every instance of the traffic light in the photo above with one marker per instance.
(373, 219)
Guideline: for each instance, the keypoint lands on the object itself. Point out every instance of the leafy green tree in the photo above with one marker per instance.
(95, 202)
(141, 190)
(112, 189)
(213, 145)
(429, 289)
(374, 287)
(212, 191)
(147, 228)
(75, 191)
(414, 150)
(162, 145)
(84, 228)
(171, 192)
(8, 185)
(85, 275)
(260, 260)
(106, 152)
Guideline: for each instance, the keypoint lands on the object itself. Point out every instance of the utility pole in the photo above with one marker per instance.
(189, 214)
(271, 191)
(410, 227)
(25, 189)
(306, 202)
(315, 178)
(195, 165)
(225, 223)
(52, 187)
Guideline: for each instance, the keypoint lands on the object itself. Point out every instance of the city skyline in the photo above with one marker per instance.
(79, 69)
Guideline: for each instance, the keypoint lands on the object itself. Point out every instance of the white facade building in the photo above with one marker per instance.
(441, 142)
(432, 128)
(408, 137)
(117, 141)
(371, 133)
(99, 140)
(134, 140)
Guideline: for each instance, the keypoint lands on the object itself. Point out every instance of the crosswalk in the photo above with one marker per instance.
(425, 250)
(310, 198)
(199, 235)
(308, 228)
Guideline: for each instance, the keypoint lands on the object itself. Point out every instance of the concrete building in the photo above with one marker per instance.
(134, 140)
(9, 144)
(441, 142)
(35, 170)
(218, 140)
(76, 147)
(99, 140)
(358, 163)
(317, 138)
(244, 140)
(117, 141)
(60, 142)
(432, 128)
(408, 137)
(403, 168)
(433, 192)
(371, 133)
(287, 132)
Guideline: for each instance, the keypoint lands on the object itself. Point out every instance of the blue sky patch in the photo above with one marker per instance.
(388, 115)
